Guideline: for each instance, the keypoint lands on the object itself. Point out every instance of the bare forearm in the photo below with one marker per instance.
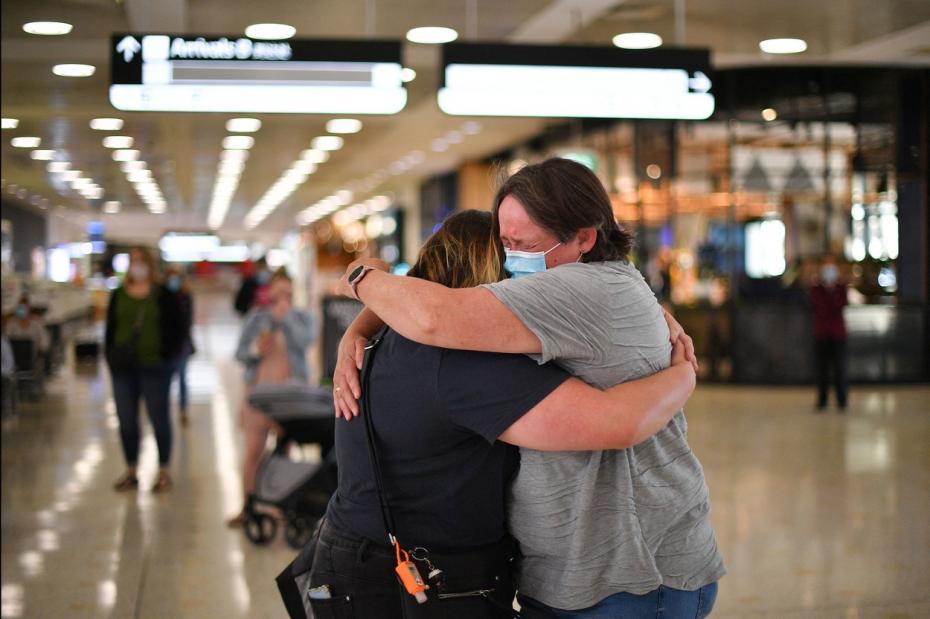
(365, 325)
(652, 401)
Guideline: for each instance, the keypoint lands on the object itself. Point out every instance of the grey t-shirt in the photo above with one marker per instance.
(591, 524)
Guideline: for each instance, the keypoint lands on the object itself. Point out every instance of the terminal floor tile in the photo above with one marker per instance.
(817, 515)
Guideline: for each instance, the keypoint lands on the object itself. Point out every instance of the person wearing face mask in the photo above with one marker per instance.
(25, 324)
(254, 288)
(611, 533)
(176, 283)
(144, 336)
(273, 348)
(828, 298)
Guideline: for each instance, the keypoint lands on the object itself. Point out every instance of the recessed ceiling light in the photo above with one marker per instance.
(454, 137)
(327, 142)
(58, 166)
(10, 123)
(637, 40)
(111, 207)
(26, 142)
(270, 32)
(407, 74)
(432, 35)
(106, 124)
(71, 175)
(344, 125)
(238, 142)
(48, 28)
(769, 114)
(783, 46)
(42, 155)
(74, 70)
(125, 155)
(439, 145)
(304, 166)
(132, 166)
(471, 128)
(243, 125)
(314, 155)
(118, 141)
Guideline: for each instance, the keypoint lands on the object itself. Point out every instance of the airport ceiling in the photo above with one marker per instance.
(182, 149)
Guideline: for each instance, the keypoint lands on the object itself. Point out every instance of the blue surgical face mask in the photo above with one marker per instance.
(21, 311)
(522, 263)
(174, 283)
(829, 273)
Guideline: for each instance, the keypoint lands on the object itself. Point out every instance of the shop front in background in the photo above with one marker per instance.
(732, 215)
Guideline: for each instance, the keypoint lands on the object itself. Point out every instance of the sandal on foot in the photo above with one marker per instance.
(162, 482)
(127, 482)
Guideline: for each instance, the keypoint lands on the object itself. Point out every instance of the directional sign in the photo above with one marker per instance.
(575, 82)
(173, 73)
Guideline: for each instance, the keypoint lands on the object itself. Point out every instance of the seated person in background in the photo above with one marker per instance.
(27, 325)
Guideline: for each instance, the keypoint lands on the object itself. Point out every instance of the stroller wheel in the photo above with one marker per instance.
(260, 528)
(298, 532)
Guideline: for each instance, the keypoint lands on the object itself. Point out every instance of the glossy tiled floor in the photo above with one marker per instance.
(818, 516)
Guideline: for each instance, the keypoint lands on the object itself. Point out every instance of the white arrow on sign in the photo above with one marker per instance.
(128, 47)
(700, 82)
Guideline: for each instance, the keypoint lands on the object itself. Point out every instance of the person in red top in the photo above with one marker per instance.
(828, 298)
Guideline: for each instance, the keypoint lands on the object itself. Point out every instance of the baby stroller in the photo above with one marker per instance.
(300, 490)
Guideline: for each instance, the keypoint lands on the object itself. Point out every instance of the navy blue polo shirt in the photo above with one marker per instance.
(437, 414)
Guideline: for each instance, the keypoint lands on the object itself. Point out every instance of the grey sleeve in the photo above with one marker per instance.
(560, 307)
(300, 328)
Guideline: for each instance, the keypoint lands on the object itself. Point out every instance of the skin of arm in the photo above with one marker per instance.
(618, 418)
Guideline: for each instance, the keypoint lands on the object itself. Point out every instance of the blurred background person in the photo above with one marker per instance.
(144, 336)
(252, 284)
(273, 347)
(26, 324)
(176, 282)
(828, 298)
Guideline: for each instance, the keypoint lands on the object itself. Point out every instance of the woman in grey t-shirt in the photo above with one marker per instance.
(604, 533)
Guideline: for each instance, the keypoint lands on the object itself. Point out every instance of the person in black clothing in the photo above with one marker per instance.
(828, 298)
(248, 291)
(445, 423)
(177, 283)
(144, 334)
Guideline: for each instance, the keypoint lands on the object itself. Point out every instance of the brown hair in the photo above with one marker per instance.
(562, 196)
(147, 259)
(465, 252)
(281, 273)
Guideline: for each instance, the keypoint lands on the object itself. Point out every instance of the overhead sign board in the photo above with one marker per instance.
(575, 82)
(174, 73)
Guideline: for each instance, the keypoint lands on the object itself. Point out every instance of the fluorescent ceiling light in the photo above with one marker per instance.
(243, 125)
(314, 155)
(783, 46)
(111, 207)
(234, 155)
(305, 167)
(47, 28)
(407, 75)
(58, 166)
(238, 142)
(125, 155)
(139, 176)
(117, 141)
(132, 166)
(71, 175)
(106, 124)
(327, 142)
(26, 142)
(42, 155)
(344, 125)
(637, 40)
(74, 70)
(270, 32)
(10, 123)
(432, 35)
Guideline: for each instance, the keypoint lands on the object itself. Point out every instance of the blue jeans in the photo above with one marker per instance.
(663, 603)
(180, 368)
(131, 385)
